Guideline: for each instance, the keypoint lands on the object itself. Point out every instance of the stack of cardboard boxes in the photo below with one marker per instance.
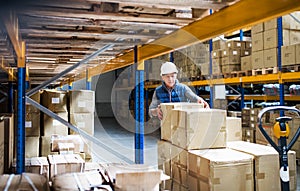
(186, 128)
(81, 110)
(56, 101)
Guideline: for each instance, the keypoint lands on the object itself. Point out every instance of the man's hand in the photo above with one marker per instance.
(159, 113)
(206, 105)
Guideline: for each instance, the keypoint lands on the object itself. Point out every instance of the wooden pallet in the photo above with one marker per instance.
(263, 71)
(291, 68)
(217, 76)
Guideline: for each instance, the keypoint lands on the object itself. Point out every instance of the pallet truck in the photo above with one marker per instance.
(281, 132)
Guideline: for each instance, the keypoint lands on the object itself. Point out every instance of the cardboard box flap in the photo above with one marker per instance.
(39, 161)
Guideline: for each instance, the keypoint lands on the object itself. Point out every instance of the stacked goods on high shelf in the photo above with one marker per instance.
(55, 101)
(265, 43)
(81, 106)
(6, 143)
(248, 130)
(185, 127)
(32, 128)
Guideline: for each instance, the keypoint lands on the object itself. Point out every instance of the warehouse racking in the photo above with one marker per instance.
(200, 30)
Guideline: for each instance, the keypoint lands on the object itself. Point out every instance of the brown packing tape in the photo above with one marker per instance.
(216, 181)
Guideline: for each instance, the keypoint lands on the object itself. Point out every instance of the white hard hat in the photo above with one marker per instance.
(168, 68)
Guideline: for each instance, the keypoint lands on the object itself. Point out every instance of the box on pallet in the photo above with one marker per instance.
(257, 59)
(205, 69)
(266, 165)
(55, 101)
(76, 140)
(231, 68)
(257, 42)
(257, 28)
(294, 37)
(236, 44)
(288, 55)
(198, 129)
(60, 164)
(81, 101)
(246, 63)
(270, 58)
(215, 169)
(233, 129)
(270, 38)
(179, 156)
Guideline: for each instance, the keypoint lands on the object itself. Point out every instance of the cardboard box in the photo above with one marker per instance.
(198, 129)
(32, 147)
(266, 165)
(46, 147)
(205, 68)
(297, 49)
(179, 156)
(257, 59)
(257, 42)
(288, 55)
(84, 121)
(180, 175)
(249, 134)
(29, 107)
(233, 129)
(270, 38)
(60, 164)
(246, 63)
(216, 53)
(294, 37)
(257, 28)
(82, 101)
(216, 65)
(71, 181)
(246, 52)
(236, 44)
(163, 151)
(55, 101)
(218, 44)
(39, 165)
(270, 58)
(32, 124)
(215, 169)
(231, 68)
(272, 24)
(248, 44)
(166, 122)
(11, 182)
(224, 61)
(234, 55)
(52, 126)
(76, 140)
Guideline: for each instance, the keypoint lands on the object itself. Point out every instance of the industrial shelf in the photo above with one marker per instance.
(264, 97)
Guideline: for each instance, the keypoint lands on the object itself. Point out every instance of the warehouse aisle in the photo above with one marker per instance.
(120, 142)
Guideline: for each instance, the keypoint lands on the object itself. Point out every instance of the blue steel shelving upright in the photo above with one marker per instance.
(139, 109)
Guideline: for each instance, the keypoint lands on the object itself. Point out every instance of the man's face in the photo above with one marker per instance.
(169, 79)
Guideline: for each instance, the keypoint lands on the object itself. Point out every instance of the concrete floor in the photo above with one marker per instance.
(119, 144)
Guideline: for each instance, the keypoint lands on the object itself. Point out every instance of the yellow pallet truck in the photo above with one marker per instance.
(281, 132)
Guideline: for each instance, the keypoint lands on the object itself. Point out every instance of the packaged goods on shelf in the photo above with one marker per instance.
(288, 55)
(24, 181)
(81, 101)
(249, 134)
(84, 121)
(52, 126)
(266, 165)
(55, 101)
(37, 165)
(32, 123)
(246, 63)
(257, 42)
(76, 140)
(294, 89)
(257, 59)
(270, 58)
(214, 169)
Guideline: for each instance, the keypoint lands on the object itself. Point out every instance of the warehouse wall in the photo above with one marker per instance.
(102, 85)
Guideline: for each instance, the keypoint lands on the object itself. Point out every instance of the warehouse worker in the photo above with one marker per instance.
(171, 91)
